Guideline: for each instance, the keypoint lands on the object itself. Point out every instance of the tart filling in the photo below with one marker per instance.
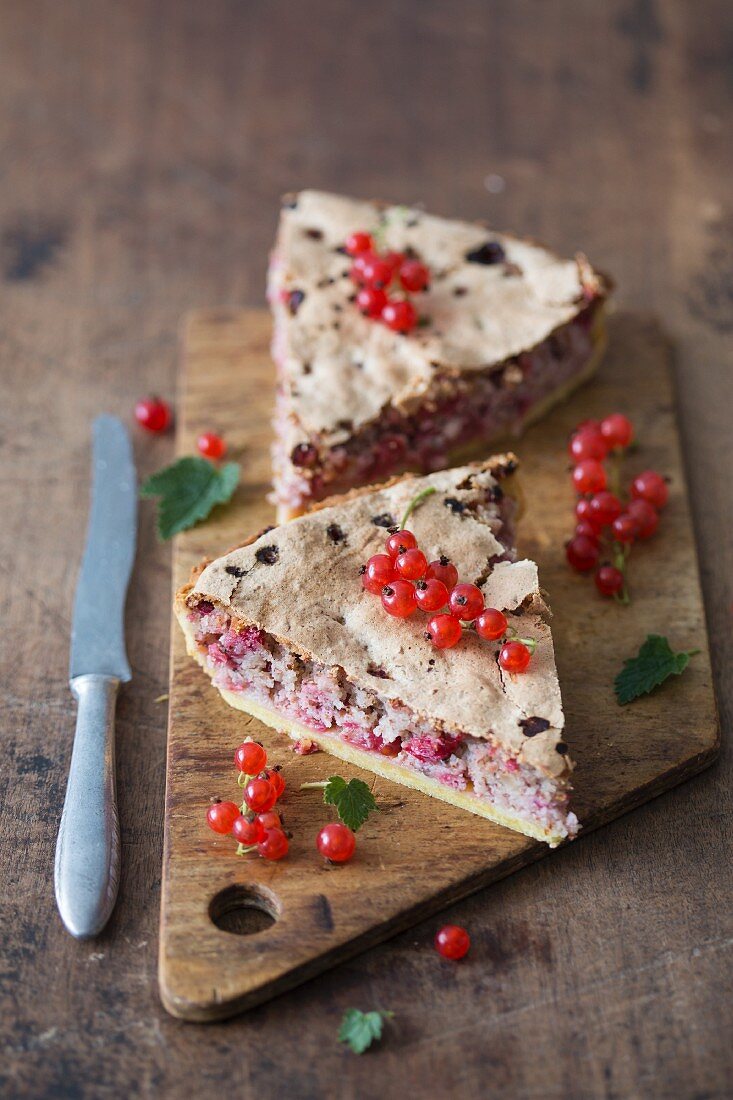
(244, 660)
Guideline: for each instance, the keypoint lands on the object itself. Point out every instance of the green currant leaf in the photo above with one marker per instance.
(654, 663)
(188, 490)
(353, 800)
(360, 1029)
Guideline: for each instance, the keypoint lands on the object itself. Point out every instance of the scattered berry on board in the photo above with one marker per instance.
(221, 816)
(336, 842)
(608, 521)
(452, 941)
(153, 414)
(211, 445)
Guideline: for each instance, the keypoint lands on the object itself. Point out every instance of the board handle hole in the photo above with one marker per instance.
(244, 910)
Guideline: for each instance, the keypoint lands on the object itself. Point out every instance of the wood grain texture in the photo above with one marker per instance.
(145, 146)
(417, 855)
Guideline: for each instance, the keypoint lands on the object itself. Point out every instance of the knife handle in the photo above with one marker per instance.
(87, 869)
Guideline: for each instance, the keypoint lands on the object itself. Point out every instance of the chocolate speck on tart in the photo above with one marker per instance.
(383, 520)
(489, 253)
(534, 725)
(335, 533)
(267, 555)
(459, 291)
(561, 747)
(295, 300)
(235, 571)
(457, 507)
(314, 234)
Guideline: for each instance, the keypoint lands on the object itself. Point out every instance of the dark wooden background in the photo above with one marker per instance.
(144, 147)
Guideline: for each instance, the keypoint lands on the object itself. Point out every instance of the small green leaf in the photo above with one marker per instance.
(188, 490)
(655, 662)
(353, 800)
(360, 1029)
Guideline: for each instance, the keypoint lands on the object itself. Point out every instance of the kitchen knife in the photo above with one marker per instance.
(87, 868)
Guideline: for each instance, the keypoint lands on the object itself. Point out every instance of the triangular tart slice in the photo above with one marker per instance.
(506, 329)
(287, 633)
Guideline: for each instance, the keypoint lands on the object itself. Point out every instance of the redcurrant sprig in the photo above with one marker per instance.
(601, 511)
(385, 281)
(406, 582)
(255, 825)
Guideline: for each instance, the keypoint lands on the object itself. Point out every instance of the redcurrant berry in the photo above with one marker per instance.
(360, 262)
(588, 443)
(411, 565)
(376, 272)
(378, 571)
(259, 795)
(221, 816)
(414, 276)
(431, 594)
(394, 259)
(358, 242)
(583, 512)
(398, 598)
(625, 528)
(245, 831)
(274, 844)
(153, 414)
(651, 487)
(466, 602)
(645, 515)
(276, 781)
(250, 757)
(603, 508)
(400, 541)
(514, 657)
(589, 476)
(617, 430)
(211, 445)
(270, 819)
(609, 580)
(400, 316)
(452, 942)
(444, 631)
(371, 301)
(582, 553)
(585, 527)
(336, 842)
(491, 624)
(443, 570)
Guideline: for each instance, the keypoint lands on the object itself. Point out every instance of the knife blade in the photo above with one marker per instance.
(86, 872)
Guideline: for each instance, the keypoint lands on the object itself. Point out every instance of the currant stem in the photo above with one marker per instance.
(314, 786)
(620, 556)
(417, 499)
(244, 849)
(614, 480)
(513, 636)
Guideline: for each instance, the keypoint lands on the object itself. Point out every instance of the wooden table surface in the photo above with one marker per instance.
(144, 147)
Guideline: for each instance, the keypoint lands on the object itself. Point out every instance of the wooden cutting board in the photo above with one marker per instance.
(237, 931)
